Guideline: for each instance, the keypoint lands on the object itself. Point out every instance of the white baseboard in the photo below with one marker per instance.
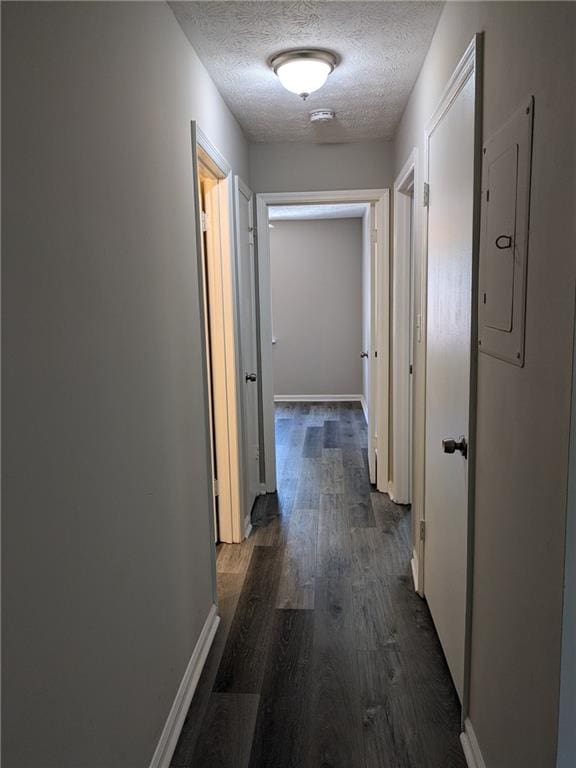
(364, 407)
(171, 731)
(414, 567)
(470, 746)
(317, 398)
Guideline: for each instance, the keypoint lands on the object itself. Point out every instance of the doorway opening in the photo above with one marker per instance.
(216, 242)
(367, 357)
(319, 269)
(406, 333)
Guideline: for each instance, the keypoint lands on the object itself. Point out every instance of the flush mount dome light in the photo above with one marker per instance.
(304, 71)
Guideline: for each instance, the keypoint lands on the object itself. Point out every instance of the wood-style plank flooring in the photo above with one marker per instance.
(325, 657)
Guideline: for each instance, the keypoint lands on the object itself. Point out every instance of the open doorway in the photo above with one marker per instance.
(406, 333)
(320, 305)
(320, 299)
(216, 242)
(366, 366)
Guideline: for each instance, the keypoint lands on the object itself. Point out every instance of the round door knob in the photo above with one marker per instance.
(250, 377)
(451, 445)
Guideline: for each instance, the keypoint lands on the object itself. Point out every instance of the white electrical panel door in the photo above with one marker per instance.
(504, 238)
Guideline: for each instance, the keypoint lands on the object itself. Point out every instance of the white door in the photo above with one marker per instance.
(450, 146)
(372, 339)
(247, 301)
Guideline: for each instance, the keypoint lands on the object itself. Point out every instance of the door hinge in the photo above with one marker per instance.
(487, 195)
(204, 221)
(411, 368)
(252, 236)
(215, 486)
(374, 236)
(422, 530)
(426, 194)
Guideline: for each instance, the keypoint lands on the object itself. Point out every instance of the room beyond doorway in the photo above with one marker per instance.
(373, 339)
(320, 306)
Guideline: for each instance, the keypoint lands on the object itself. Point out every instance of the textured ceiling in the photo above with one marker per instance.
(324, 211)
(381, 46)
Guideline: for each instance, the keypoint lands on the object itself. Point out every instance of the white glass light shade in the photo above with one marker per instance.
(303, 76)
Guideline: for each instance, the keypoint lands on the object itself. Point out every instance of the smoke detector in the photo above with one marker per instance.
(322, 115)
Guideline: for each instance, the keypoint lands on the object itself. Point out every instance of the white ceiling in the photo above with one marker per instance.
(381, 45)
(323, 211)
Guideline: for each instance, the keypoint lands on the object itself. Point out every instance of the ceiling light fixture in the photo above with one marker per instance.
(304, 71)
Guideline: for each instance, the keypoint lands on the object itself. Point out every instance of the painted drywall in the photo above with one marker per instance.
(292, 167)
(523, 413)
(316, 276)
(107, 553)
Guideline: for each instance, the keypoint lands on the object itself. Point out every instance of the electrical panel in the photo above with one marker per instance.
(506, 170)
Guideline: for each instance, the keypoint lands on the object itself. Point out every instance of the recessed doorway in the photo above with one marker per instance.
(216, 242)
(373, 340)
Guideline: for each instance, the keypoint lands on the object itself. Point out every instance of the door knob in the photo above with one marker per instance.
(250, 377)
(450, 445)
(363, 354)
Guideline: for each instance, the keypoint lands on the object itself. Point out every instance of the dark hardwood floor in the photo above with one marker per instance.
(325, 657)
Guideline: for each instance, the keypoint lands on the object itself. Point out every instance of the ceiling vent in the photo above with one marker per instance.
(322, 115)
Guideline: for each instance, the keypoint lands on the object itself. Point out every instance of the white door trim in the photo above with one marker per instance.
(319, 399)
(381, 198)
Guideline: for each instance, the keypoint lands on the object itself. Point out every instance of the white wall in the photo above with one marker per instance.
(291, 167)
(107, 572)
(316, 276)
(523, 413)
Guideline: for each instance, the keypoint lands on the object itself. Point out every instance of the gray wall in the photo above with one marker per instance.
(316, 274)
(107, 574)
(318, 167)
(523, 413)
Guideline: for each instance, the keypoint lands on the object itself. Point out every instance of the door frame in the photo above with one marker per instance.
(226, 374)
(406, 336)
(406, 235)
(470, 65)
(381, 199)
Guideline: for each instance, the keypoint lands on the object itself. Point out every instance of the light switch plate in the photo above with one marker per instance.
(505, 216)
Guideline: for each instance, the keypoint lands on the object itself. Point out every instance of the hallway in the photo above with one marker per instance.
(325, 656)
